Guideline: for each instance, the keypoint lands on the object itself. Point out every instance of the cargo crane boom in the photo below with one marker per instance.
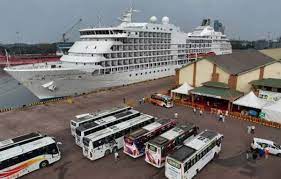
(64, 38)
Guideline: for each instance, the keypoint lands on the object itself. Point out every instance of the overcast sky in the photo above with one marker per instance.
(45, 20)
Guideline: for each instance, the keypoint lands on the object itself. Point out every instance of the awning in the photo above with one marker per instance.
(251, 100)
(219, 93)
(183, 89)
(273, 112)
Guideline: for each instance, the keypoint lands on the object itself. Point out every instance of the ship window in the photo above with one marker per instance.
(136, 74)
(141, 73)
(130, 75)
(79, 76)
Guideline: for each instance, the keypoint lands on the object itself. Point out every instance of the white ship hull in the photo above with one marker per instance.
(70, 85)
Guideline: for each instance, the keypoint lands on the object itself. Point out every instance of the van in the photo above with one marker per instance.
(272, 147)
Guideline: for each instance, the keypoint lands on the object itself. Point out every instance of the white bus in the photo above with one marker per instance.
(158, 148)
(109, 140)
(97, 125)
(134, 143)
(24, 154)
(190, 158)
(90, 117)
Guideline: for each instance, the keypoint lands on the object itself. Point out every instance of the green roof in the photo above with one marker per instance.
(268, 82)
(220, 93)
(216, 84)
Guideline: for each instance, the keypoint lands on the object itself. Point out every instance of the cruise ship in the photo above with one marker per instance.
(114, 56)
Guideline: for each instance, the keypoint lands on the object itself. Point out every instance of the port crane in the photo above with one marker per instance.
(64, 35)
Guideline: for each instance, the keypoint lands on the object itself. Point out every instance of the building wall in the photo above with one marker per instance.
(244, 79)
(204, 72)
(223, 76)
(186, 74)
(272, 71)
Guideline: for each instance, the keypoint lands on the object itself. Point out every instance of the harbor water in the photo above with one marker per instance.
(13, 94)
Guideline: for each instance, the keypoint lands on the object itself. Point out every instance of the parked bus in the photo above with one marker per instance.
(103, 123)
(134, 143)
(90, 117)
(158, 148)
(27, 153)
(109, 140)
(161, 100)
(190, 158)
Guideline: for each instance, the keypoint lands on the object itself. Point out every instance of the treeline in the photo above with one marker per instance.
(19, 49)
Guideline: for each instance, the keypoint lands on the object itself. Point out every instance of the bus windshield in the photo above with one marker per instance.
(152, 148)
(174, 163)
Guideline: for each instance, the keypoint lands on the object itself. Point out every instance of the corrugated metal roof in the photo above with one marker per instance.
(268, 82)
(241, 61)
(274, 53)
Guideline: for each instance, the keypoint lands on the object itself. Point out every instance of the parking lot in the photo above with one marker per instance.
(53, 119)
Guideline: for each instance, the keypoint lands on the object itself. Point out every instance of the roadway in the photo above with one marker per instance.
(53, 119)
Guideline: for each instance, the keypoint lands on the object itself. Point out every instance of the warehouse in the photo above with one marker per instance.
(236, 70)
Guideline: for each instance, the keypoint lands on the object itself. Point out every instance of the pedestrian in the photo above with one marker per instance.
(200, 112)
(226, 113)
(266, 153)
(249, 129)
(220, 117)
(247, 154)
(223, 118)
(116, 156)
(194, 110)
(255, 155)
(176, 115)
(253, 129)
(143, 100)
(124, 100)
(140, 101)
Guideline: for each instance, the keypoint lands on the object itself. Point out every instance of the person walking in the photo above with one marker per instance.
(124, 100)
(143, 100)
(249, 129)
(223, 118)
(200, 112)
(176, 115)
(266, 153)
(194, 110)
(253, 129)
(116, 156)
(247, 154)
(220, 117)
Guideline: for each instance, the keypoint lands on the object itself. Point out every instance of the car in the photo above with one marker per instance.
(272, 147)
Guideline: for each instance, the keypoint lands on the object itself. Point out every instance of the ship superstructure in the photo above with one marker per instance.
(113, 56)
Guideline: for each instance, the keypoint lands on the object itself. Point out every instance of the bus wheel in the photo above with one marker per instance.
(114, 149)
(279, 155)
(107, 152)
(197, 171)
(44, 164)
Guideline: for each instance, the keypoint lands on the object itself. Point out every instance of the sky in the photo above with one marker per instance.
(44, 21)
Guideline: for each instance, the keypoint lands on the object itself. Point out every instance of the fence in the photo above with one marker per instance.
(235, 115)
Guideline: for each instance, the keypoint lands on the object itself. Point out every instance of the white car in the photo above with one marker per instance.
(272, 147)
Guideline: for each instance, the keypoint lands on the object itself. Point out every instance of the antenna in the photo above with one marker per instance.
(99, 21)
(127, 16)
